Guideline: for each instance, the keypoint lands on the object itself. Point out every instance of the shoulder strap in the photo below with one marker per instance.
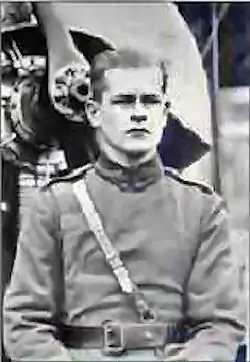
(69, 177)
(111, 254)
(176, 175)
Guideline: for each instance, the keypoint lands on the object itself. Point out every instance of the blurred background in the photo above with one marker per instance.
(227, 64)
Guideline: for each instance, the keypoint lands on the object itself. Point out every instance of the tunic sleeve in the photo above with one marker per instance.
(31, 308)
(212, 293)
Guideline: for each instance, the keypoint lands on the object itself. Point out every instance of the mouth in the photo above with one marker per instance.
(138, 131)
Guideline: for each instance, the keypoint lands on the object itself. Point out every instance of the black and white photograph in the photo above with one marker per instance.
(125, 181)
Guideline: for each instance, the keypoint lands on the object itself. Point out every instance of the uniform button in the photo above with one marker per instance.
(149, 335)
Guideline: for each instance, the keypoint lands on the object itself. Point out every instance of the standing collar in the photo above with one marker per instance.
(130, 178)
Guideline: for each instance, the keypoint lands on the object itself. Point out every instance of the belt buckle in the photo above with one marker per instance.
(113, 339)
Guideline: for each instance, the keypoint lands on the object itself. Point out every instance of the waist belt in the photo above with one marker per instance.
(114, 338)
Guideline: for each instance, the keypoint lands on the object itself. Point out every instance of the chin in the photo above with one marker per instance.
(136, 150)
(138, 147)
(138, 153)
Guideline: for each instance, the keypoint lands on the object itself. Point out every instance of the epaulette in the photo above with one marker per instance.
(175, 174)
(73, 175)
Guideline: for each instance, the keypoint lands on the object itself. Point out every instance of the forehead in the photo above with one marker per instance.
(134, 80)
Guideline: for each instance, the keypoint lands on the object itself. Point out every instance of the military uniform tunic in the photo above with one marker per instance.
(173, 237)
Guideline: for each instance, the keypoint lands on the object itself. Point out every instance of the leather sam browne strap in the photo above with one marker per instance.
(128, 287)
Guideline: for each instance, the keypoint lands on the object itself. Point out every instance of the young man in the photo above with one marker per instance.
(172, 235)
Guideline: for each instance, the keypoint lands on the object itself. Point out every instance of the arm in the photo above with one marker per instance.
(212, 293)
(31, 302)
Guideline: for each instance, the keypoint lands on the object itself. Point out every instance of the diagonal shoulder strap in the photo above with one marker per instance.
(111, 254)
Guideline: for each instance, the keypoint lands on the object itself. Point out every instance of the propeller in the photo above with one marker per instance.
(69, 70)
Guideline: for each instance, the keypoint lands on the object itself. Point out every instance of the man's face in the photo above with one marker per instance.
(132, 110)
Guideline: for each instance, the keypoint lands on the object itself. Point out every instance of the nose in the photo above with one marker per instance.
(139, 115)
(138, 118)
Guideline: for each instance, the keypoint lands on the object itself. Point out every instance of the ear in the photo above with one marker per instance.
(166, 110)
(93, 112)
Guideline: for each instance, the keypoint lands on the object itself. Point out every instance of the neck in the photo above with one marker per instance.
(129, 160)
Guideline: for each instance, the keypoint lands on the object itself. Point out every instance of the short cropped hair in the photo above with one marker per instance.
(120, 59)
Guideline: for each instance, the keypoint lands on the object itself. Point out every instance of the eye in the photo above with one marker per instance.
(149, 99)
(124, 100)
